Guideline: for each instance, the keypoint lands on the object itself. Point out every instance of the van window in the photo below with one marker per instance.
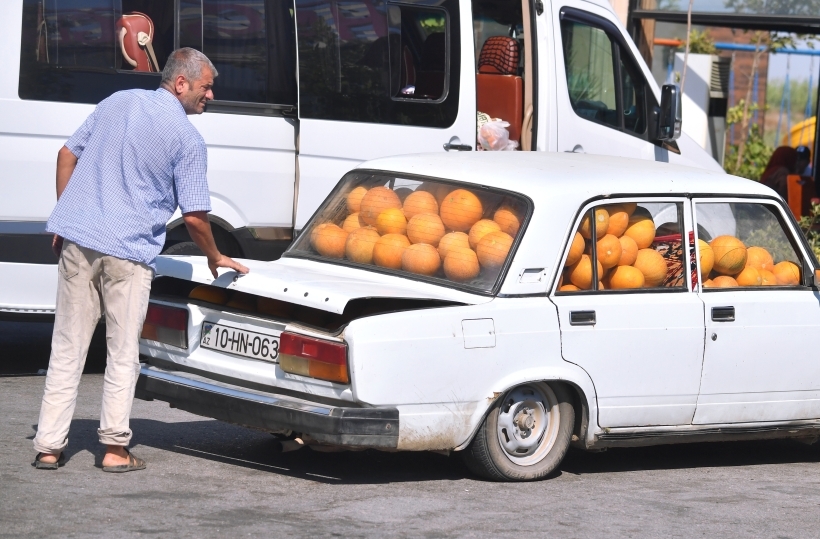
(82, 51)
(377, 62)
(604, 84)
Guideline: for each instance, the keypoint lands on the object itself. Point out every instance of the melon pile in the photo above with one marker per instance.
(623, 238)
(726, 262)
(435, 230)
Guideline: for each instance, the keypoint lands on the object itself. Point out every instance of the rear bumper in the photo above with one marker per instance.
(360, 427)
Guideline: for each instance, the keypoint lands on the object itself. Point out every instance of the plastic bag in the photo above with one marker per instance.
(493, 136)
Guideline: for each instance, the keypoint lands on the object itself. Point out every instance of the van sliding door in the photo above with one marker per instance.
(379, 79)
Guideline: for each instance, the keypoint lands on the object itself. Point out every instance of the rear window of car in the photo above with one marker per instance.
(459, 235)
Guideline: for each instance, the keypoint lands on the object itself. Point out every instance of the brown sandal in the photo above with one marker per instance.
(40, 465)
(133, 465)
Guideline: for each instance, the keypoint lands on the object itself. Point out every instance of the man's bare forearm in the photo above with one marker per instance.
(200, 230)
(66, 162)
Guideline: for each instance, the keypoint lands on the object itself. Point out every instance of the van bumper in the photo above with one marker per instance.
(359, 427)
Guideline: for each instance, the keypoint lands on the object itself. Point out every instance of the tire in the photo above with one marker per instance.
(183, 248)
(525, 435)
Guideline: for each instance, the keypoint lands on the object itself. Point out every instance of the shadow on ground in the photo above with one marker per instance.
(237, 446)
(26, 347)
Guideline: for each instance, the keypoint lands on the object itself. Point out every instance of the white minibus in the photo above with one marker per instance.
(306, 90)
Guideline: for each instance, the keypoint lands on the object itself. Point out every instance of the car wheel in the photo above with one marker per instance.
(525, 435)
(183, 248)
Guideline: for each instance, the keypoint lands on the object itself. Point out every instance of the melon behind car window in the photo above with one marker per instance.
(460, 235)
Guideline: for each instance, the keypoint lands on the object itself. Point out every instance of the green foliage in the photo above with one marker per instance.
(701, 43)
(810, 225)
(800, 94)
(755, 156)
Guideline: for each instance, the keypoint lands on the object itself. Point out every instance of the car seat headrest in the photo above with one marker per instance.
(499, 55)
(136, 35)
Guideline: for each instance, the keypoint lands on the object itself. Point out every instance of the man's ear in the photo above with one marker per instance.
(180, 84)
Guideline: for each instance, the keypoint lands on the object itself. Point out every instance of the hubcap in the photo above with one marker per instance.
(527, 423)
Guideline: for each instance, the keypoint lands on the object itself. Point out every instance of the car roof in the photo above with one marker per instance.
(574, 177)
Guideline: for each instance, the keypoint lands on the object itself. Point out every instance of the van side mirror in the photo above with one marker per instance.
(669, 115)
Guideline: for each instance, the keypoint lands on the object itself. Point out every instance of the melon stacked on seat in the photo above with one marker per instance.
(434, 230)
(726, 262)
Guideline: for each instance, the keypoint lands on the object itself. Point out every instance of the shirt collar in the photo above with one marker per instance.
(165, 95)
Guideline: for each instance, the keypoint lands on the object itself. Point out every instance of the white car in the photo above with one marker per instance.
(454, 302)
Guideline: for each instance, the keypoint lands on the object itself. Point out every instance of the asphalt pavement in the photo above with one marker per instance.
(210, 479)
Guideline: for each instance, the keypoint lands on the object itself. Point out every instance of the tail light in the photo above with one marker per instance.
(168, 325)
(326, 360)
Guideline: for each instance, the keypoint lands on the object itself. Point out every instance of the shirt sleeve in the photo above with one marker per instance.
(190, 179)
(77, 142)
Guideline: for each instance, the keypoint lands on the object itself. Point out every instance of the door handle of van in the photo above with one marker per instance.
(455, 144)
(723, 314)
(582, 318)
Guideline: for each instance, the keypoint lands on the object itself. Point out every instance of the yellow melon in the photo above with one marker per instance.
(451, 241)
(354, 199)
(211, 294)
(758, 257)
(438, 190)
(723, 281)
(618, 219)
(601, 224)
(481, 229)
(786, 273)
(352, 222)
(625, 278)
(508, 220)
(767, 278)
(329, 240)
(461, 264)
(274, 307)
(730, 255)
(421, 258)
(375, 201)
(749, 277)
(707, 258)
(609, 251)
(641, 228)
(576, 249)
(420, 202)
(629, 251)
(425, 228)
(580, 273)
(391, 221)
(493, 249)
(388, 250)
(653, 266)
(359, 245)
(460, 210)
(568, 288)
(708, 283)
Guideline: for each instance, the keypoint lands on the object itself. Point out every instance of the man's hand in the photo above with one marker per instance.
(200, 230)
(57, 245)
(225, 262)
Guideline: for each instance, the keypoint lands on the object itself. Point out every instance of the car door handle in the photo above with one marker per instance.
(582, 318)
(455, 144)
(723, 314)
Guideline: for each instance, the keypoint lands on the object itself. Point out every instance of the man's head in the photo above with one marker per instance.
(189, 75)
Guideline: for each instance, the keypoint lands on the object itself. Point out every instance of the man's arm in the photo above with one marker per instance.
(66, 163)
(200, 230)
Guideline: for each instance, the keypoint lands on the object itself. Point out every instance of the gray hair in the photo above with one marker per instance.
(187, 62)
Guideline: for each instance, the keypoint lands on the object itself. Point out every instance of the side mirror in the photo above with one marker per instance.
(669, 116)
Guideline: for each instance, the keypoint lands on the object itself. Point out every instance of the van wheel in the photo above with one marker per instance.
(525, 435)
(183, 248)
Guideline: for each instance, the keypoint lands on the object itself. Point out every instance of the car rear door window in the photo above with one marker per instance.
(626, 246)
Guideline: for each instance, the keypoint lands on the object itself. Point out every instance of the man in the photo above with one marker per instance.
(120, 177)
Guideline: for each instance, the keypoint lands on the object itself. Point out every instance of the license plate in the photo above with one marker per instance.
(240, 342)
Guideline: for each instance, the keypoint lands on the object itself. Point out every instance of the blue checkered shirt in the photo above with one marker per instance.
(138, 158)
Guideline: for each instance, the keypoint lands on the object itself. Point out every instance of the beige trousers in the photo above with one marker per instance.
(91, 283)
